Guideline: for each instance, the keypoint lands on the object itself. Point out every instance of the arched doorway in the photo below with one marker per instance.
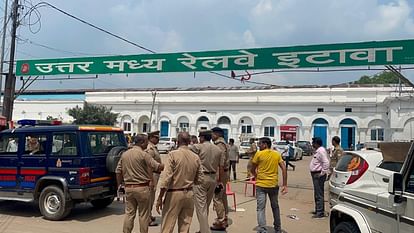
(183, 124)
(203, 123)
(224, 123)
(408, 132)
(143, 124)
(320, 129)
(269, 127)
(246, 129)
(348, 127)
(126, 123)
(292, 127)
(376, 130)
(165, 126)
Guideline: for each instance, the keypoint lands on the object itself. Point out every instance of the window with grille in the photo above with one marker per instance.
(377, 134)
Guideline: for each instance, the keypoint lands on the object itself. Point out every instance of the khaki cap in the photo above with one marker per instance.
(204, 132)
(154, 134)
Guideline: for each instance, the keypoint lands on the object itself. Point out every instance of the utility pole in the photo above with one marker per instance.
(3, 42)
(154, 95)
(11, 78)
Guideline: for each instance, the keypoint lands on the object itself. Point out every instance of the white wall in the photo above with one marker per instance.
(281, 104)
(40, 110)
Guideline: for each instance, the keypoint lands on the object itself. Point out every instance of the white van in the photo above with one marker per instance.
(370, 208)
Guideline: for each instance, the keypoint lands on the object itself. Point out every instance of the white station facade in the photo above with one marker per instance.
(356, 113)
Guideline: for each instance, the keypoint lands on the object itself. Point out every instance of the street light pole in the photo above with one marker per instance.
(9, 88)
(154, 95)
(3, 41)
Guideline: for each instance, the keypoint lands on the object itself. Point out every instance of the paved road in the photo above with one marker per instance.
(18, 217)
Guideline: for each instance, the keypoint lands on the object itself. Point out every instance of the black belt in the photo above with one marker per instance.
(136, 185)
(316, 171)
(209, 173)
(177, 190)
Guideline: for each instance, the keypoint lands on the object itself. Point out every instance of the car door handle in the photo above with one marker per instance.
(386, 180)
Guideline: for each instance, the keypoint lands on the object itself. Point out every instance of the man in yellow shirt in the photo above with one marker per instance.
(265, 168)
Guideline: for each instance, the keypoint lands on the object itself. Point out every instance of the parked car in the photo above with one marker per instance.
(58, 166)
(373, 191)
(243, 147)
(282, 146)
(166, 144)
(367, 167)
(306, 147)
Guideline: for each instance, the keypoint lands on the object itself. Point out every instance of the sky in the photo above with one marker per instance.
(200, 25)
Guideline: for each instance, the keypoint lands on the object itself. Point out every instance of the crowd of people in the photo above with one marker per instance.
(196, 173)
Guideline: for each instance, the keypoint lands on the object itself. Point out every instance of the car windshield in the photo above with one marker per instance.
(245, 144)
(165, 139)
(302, 144)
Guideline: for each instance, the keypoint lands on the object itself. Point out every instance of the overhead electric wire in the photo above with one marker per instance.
(41, 4)
(96, 27)
(56, 49)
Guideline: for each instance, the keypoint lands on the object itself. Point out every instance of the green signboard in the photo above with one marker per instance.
(309, 56)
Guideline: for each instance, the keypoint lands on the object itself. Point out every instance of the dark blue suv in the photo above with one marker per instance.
(60, 165)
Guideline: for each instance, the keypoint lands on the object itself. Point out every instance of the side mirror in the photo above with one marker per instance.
(395, 185)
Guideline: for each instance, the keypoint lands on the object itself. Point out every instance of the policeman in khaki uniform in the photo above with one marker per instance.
(210, 156)
(220, 199)
(133, 172)
(154, 138)
(182, 171)
(335, 154)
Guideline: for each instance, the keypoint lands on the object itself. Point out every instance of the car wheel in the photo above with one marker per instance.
(346, 227)
(102, 203)
(53, 203)
(113, 157)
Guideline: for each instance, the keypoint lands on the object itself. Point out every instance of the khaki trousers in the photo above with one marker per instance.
(203, 194)
(179, 206)
(137, 198)
(155, 179)
(220, 201)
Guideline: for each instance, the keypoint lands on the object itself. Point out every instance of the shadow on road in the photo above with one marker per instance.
(83, 212)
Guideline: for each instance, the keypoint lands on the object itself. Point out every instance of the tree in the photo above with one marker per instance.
(384, 77)
(93, 114)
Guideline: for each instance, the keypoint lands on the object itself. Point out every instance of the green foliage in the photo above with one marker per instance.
(385, 77)
(93, 114)
(51, 118)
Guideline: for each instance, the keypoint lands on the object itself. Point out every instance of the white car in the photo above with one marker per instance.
(166, 144)
(373, 191)
(244, 146)
(282, 146)
(366, 166)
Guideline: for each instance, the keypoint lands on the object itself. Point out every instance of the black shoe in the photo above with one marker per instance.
(313, 212)
(218, 226)
(153, 224)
